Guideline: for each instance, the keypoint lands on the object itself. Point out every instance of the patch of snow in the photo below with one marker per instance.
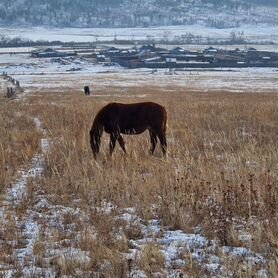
(245, 237)
(243, 253)
(252, 164)
(175, 244)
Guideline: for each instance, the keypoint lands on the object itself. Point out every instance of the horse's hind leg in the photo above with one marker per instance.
(113, 138)
(163, 142)
(153, 141)
(121, 142)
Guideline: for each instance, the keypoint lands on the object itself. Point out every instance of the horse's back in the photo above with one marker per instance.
(135, 107)
(142, 110)
(134, 117)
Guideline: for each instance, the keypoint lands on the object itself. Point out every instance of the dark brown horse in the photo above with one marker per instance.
(87, 90)
(117, 118)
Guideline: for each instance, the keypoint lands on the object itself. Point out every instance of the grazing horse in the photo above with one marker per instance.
(135, 118)
(87, 90)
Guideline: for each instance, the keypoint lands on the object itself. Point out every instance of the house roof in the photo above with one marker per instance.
(177, 50)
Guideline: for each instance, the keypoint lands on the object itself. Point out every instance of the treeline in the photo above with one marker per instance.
(185, 39)
(6, 41)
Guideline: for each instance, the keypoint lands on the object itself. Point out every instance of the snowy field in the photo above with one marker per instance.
(43, 74)
(251, 33)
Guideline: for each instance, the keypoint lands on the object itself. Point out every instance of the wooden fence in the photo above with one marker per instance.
(11, 90)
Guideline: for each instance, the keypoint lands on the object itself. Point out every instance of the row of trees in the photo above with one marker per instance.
(189, 38)
(165, 38)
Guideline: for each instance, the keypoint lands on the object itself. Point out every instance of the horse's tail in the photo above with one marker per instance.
(163, 139)
(165, 123)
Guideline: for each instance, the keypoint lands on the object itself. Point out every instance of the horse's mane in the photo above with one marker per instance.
(97, 123)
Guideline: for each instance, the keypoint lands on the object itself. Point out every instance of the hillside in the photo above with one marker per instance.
(130, 13)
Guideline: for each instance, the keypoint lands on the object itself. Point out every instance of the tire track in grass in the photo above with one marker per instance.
(25, 262)
(24, 258)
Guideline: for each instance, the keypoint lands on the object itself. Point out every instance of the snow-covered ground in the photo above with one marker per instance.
(38, 74)
(16, 50)
(174, 243)
(247, 80)
(251, 33)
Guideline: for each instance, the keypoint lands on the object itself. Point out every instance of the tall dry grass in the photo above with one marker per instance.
(219, 174)
(220, 169)
(19, 140)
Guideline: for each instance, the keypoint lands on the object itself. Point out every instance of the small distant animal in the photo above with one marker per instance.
(87, 90)
(132, 119)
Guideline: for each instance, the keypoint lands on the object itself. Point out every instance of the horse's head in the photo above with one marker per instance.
(95, 141)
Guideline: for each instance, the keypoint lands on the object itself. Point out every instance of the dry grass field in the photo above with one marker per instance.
(94, 218)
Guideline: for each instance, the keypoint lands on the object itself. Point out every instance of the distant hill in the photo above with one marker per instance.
(273, 3)
(130, 13)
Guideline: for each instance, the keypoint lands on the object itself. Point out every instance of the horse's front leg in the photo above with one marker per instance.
(121, 142)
